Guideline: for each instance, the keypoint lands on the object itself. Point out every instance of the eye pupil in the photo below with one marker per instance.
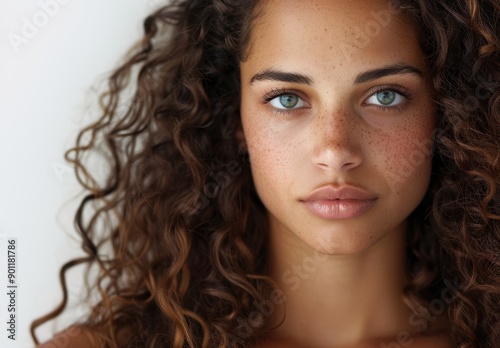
(289, 100)
(386, 97)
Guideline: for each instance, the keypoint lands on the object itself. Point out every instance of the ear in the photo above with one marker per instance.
(240, 135)
(240, 139)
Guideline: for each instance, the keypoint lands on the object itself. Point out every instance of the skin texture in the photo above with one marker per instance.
(341, 279)
(335, 139)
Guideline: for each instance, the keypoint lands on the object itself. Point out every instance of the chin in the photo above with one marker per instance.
(342, 249)
(341, 243)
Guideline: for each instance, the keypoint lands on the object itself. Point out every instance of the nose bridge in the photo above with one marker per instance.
(335, 143)
(334, 127)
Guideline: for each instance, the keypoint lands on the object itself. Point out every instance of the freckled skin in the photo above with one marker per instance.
(337, 139)
(337, 135)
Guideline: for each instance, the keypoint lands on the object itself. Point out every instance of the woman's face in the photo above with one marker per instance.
(333, 95)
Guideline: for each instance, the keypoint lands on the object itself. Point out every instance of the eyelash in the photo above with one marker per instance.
(393, 88)
(276, 92)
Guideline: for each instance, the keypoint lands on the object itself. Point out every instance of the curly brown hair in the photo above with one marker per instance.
(176, 229)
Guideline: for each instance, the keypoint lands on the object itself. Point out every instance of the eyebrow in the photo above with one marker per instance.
(276, 75)
(367, 76)
(397, 69)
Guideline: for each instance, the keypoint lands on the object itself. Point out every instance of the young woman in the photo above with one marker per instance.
(298, 174)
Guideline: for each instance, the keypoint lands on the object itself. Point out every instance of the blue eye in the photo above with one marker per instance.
(287, 101)
(386, 98)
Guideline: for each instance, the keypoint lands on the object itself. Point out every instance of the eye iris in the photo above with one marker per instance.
(386, 97)
(289, 100)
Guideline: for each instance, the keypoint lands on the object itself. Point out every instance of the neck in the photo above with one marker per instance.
(339, 299)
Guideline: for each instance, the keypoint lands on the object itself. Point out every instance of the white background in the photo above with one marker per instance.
(46, 96)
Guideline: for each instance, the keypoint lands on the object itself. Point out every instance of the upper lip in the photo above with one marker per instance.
(344, 192)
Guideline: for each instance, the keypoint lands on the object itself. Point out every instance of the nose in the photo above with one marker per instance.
(336, 143)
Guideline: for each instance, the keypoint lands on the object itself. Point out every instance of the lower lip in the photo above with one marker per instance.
(339, 209)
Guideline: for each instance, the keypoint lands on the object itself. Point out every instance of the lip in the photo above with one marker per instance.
(344, 202)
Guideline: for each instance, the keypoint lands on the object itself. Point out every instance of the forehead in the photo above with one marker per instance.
(328, 33)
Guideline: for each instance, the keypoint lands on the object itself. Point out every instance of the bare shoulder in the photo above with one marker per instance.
(75, 337)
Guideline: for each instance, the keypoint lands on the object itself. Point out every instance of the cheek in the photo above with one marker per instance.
(408, 153)
(270, 155)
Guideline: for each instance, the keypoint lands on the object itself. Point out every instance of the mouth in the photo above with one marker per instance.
(338, 208)
(344, 202)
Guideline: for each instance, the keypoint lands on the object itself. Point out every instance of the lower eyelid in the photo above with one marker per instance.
(397, 108)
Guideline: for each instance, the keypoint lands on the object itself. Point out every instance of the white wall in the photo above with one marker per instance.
(45, 97)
